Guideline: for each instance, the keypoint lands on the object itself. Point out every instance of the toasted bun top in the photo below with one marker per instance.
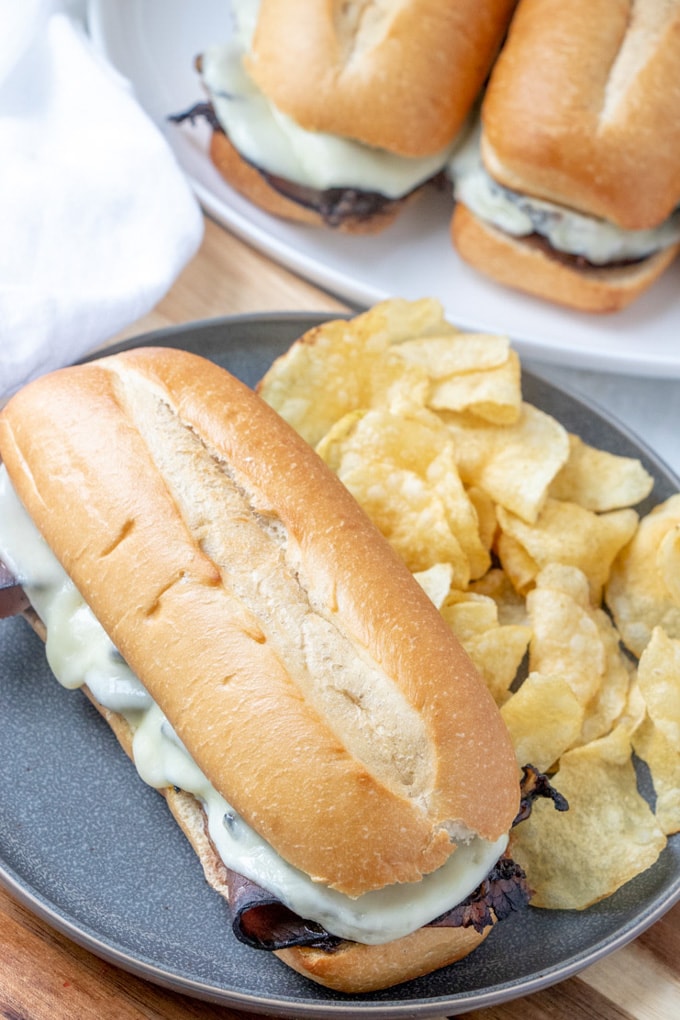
(583, 107)
(400, 76)
(297, 659)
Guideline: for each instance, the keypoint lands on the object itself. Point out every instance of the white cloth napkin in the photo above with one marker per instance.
(96, 218)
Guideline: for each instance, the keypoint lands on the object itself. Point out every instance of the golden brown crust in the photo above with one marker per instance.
(253, 186)
(583, 108)
(523, 266)
(355, 968)
(402, 77)
(180, 475)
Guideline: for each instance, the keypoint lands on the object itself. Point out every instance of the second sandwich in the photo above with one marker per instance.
(336, 114)
(573, 191)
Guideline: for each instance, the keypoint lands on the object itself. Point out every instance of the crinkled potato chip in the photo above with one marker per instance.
(642, 589)
(498, 655)
(663, 761)
(659, 681)
(494, 394)
(609, 705)
(486, 515)
(668, 561)
(469, 614)
(607, 837)
(403, 473)
(565, 642)
(498, 586)
(598, 480)
(454, 352)
(578, 641)
(496, 649)
(568, 533)
(544, 718)
(516, 562)
(515, 464)
(345, 365)
(436, 582)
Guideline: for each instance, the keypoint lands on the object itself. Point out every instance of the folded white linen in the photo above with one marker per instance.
(96, 217)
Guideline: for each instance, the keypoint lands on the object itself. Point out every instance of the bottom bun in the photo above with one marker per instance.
(355, 968)
(522, 265)
(254, 186)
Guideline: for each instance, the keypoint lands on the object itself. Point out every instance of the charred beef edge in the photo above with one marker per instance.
(13, 600)
(263, 922)
(335, 206)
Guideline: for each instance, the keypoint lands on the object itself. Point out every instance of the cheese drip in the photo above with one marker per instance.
(567, 231)
(80, 653)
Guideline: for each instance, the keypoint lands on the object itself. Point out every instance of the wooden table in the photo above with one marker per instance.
(44, 976)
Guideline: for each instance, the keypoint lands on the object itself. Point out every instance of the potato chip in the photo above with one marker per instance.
(486, 515)
(517, 564)
(498, 655)
(607, 837)
(436, 582)
(345, 365)
(642, 589)
(578, 641)
(497, 650)
(510, 605)
(668, 562)
(454, 353)
(403, 473)
(663, 761)
(494, 394)
(565, 641)
(515, 464)
(612, 698)
(569, 534)
(600, 481)
(659, 681)
(469, 615)
(544, 718)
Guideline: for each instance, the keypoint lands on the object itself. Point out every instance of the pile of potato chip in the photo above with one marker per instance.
(527, 540)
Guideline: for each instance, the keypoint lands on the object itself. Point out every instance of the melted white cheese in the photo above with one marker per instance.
(573, 233)
(272, 141)
(79, 652)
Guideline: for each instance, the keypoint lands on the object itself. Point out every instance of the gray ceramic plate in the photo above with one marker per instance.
(87, 846)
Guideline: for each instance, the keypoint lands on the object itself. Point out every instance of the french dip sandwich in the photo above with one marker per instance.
(267, 661)
(572, 192)
(336, 113)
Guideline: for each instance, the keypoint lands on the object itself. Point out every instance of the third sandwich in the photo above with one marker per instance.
(572, 192)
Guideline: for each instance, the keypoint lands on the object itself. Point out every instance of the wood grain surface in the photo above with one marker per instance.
(45, 976)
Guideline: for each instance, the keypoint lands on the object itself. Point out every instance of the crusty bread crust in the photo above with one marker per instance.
(583, 107)
(402, 76)
(314, 682)
(519, 264)
(253, 186)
